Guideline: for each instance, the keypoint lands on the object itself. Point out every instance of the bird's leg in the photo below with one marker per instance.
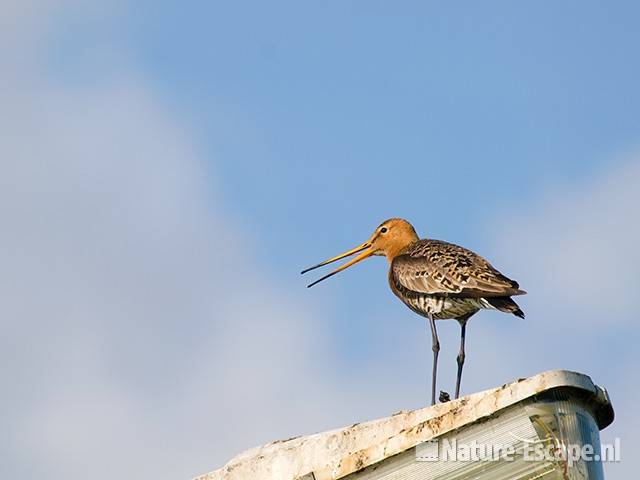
(463, 324)
(435, 346)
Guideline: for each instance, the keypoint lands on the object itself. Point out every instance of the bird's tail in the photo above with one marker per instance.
(505, 304)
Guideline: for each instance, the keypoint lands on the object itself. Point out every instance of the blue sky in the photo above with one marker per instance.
(170, 168)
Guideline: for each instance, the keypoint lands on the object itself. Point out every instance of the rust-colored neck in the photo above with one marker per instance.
(396, 249)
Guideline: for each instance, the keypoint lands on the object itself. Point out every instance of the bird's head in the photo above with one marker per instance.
(389, 239)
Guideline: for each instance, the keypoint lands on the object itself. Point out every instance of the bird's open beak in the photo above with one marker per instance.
(366, 250)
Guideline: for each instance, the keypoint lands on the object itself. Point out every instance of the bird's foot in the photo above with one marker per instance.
(444, 397)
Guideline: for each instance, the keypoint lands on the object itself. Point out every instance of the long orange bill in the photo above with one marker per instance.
(366, 250)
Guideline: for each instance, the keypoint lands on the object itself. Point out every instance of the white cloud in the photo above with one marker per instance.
(584, 242)
(575, 251)
(138, 337)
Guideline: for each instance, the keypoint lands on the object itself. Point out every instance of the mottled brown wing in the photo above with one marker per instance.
(440, 268)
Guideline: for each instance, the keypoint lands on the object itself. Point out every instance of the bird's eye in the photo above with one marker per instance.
(383, 230)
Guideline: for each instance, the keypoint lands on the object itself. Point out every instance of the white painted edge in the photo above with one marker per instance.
(336, 453)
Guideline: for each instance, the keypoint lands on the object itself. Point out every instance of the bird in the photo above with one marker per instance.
(435, 279)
